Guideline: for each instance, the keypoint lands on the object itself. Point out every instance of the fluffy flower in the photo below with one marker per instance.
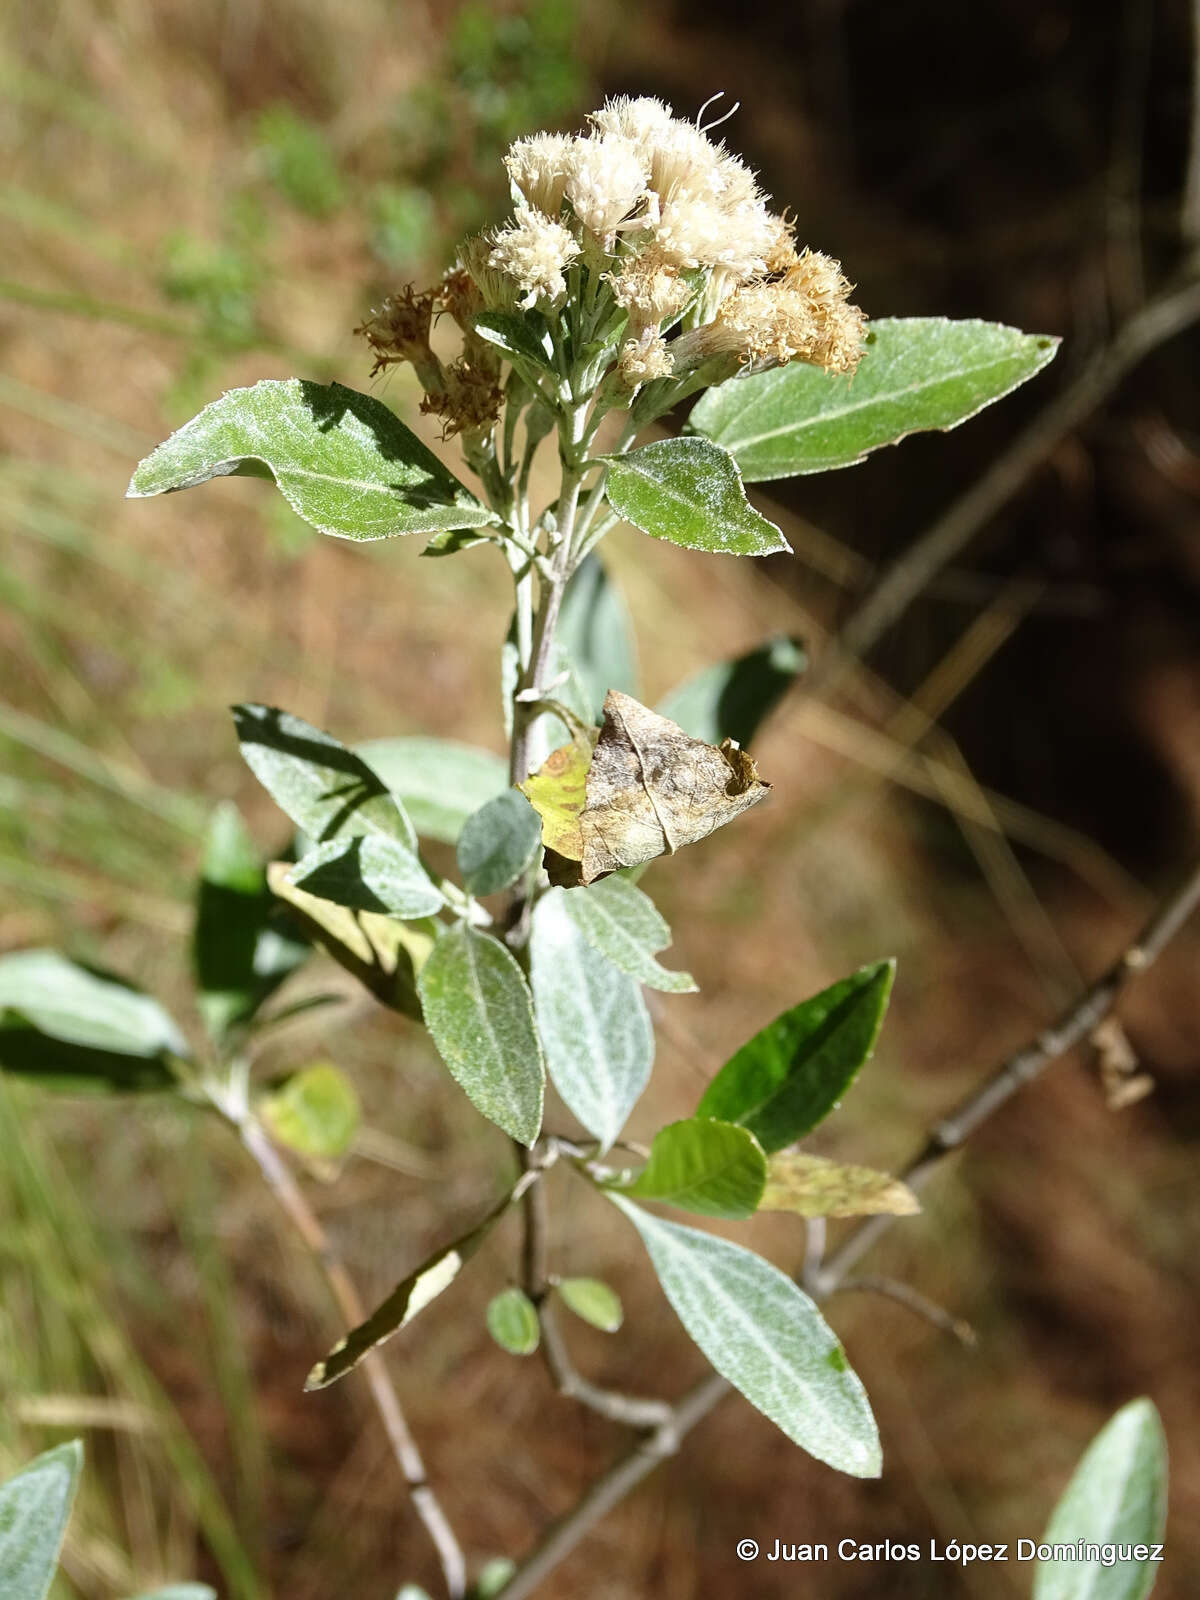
(534, 251)
(645, 358)
(651, 289)
(538, 169)
(607, 179)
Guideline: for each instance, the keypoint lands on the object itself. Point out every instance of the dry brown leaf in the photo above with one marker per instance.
(814, 1187)
(650, 789)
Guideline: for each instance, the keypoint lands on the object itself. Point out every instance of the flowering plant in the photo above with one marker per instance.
(642, 266)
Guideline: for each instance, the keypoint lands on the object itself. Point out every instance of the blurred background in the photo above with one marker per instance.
(201, 195)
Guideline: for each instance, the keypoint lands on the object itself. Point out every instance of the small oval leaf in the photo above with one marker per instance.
(316, 1112)
(766, 1337)
(35, 1505)
(790, 1076)
(512, 1321)
(916, 373)
(689, 491)
(341, 459)
(478, 1008)
(713, 1168)
(498, 842)
(593, 1302)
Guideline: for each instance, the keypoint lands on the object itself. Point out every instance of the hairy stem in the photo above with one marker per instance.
(291, 1198)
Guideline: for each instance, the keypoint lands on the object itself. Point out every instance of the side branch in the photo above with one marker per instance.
(404, 1447)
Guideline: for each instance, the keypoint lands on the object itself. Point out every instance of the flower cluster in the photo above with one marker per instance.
(671, 241)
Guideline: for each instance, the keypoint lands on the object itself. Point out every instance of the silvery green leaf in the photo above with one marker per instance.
(478, 1009)
(369, 873)
(624, 924)
(916, 373)
(498, 842)
(341, 459)
(325, 789)
(35, 1505)
(439, 782)
(596, 1031)
(1117, 1496)
(766, 1337)
(689, 491)
(75, 1030)
(731, 699)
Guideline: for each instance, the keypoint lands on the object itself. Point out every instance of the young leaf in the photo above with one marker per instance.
(732, 699)
(814, 1187)
(327, 790)
(242, 946)
(713, 1168)
(616, 918)
(369, 873)
(342, 460)
(648, 791)
(595, 1029)
(1117, 1495)
(689, 491)
(73, 1030)
(766, 1337)
(35, 1505)
(916, 373)
(411, 1295)
(512, 1321)
(498, 842)
(493, 1575)
(595, 634)
(383, 953)
(592, 1301)
(315, 1113)
(793, 1073)
(438, 782)
(478, 1008)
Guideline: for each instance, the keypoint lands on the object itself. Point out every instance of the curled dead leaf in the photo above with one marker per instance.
(644, 789)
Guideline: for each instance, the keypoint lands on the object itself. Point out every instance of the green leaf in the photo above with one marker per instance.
(792, 1074)
(916, 373)
(453, 541)
(341, 459)
(478, 1008)
(1117, 1495)
(512, 1321)
(35, 1505)
(498, 842)
(372, 873)
(410, 1296)
(439, 782)
(595, 637)
(713, 1168)
(316, 1112)
(731, 699)
(242, 945)
(383, 953)
(517, 336)
(74, 1030)
(492, 1578)
(597, 1034)
(767, 1338)
(814, 1187)
(327, 790)
(689, 491)
(616, 918)
(592, 1301)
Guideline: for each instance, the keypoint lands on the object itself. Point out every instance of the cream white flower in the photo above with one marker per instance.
(607, 179)
(645, 358)
(538, 168)
(534, 251)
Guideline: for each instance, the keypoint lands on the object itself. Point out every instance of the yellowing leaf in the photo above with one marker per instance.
(315, 1113)
(814, 1187)
(649, 789)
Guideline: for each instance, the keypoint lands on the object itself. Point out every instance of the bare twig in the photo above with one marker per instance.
(920, 1305)
(1157, 321)
(425, 1503)
(1072, 1027)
